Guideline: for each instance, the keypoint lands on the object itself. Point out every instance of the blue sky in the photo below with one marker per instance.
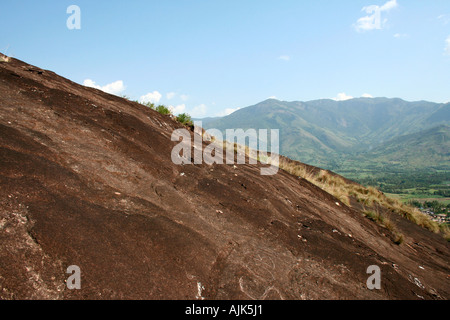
(209, 57)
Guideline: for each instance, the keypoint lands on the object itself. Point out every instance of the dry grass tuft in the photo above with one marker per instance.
(370, 196)
(385, 222)
(344, 190)
(445, 230)
(4, 58)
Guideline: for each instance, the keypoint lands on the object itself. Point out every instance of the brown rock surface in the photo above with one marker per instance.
(86, 179)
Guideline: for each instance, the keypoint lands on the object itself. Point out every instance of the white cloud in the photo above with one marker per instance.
(401, 35)
(373, 20)
(447, 46)
(112, 88)
(199, 111)
(91, 84)
(389, 5)
(272, 97)
(342, 97)
(367, 23)
(366, 95)
(284, 57)
(176, 110)
(227, 112)
(153, 97)
(184, 97)
(444, 19)
(170, 95)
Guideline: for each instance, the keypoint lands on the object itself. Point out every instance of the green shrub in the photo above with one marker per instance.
(149, 104)
(185, 119)
(163, 109)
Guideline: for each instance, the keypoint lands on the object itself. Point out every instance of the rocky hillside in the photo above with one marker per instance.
(86, 179)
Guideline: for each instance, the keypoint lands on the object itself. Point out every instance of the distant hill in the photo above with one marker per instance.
(429, 148)
(326, 132)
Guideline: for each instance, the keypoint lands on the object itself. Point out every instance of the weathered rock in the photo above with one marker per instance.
(86, 179)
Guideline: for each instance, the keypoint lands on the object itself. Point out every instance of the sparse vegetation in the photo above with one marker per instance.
(370, 196)
(149, 104)
(399, 238)
(185, 119)
(162, 109)
(385, 222)
(344, 190)
(367, 197)
(445, 230)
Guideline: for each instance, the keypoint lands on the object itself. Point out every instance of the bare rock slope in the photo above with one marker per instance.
(86, 179)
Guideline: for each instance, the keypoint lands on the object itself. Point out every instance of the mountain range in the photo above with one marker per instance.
(334, 134)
